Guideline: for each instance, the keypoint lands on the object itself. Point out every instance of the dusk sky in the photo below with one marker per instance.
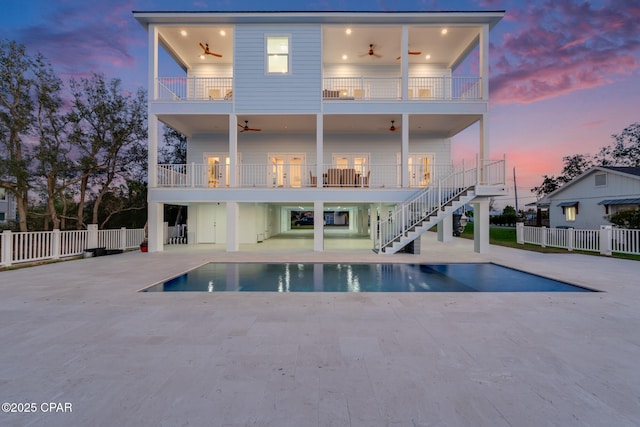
(565, 74)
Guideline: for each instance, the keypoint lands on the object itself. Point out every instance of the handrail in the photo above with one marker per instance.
(424, 204)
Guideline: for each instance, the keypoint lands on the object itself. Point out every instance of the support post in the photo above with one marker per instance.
(92, 237)
(154, 227)
(123, 238)
(606, 244)
(543, 237)
(318, 226)
(481, 226)
(571, 236)
(55, 244)
(233, 212)
(445, 229)
(520, 233)
(7, 246)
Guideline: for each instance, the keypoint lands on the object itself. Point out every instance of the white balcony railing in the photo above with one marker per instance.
(195, 88)
(419, 88)
(305, 175)
(364, 88)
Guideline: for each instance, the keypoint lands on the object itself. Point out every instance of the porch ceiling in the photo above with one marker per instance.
(439, 125)
(443, 49)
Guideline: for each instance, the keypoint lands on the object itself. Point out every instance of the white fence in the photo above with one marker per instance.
(606, 240)
(33, 246)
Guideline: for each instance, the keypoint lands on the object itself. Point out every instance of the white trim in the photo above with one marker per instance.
(267, 36)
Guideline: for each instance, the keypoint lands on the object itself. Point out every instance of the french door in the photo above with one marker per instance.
(217, 169)
(286, 170)
(420, 166)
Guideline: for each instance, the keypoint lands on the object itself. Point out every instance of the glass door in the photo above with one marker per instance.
(287, 170)
(217, 170)
(420, 169)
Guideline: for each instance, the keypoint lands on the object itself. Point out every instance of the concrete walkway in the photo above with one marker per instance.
(78, 332)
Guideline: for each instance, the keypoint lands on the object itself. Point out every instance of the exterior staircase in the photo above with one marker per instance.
(428, 207)
(424, 223)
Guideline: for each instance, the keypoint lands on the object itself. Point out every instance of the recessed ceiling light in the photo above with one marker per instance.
(344, 56)
(223, 33)
(444, 31)
(427, 57)
(202, 57)
(183, 33)
(348, 31)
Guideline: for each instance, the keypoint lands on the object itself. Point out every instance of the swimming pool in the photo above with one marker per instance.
(339, 277)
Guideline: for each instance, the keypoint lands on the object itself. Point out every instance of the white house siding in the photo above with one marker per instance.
(299, 91)
(590, 214)
(254, 148)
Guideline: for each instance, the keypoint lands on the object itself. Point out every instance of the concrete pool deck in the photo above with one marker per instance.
(78, 332)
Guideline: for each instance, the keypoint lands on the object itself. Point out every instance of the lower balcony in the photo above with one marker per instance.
(292, 176)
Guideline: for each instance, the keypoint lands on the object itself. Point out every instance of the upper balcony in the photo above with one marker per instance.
(410, 58)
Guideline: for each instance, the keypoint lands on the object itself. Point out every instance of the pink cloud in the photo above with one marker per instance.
(564, 46)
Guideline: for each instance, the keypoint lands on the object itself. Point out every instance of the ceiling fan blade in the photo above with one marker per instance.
(415, 53)
(203, 48)
(215, 54)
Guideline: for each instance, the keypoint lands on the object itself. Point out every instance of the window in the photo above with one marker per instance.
(278, 54)
(2, 217)
(601, 179)
(2, 194)
(570, 213)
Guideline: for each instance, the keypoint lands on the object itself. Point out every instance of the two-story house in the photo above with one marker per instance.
(346, 115)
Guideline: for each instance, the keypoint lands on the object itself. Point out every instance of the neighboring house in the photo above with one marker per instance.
(318, 112)
(588, 200)
(7, 207)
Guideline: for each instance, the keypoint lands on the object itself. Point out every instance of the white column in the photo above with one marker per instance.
(233, 150)
(445, 229)
(233, 213)
(319, 150)
(484, 61)
(152, 70)
(483, 152)
(152, 150)
(123, 238)
(520, 233)
(318, 226)
(404, 59)
(155, 229)
(404, 152)
(481, 226)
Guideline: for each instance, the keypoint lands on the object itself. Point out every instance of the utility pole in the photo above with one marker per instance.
(515, 190)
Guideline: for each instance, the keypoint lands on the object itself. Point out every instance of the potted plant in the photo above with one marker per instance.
(144, 246)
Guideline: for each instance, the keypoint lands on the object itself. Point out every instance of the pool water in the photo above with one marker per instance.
(293, 277)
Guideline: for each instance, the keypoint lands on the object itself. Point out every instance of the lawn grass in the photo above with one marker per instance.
(506, 236)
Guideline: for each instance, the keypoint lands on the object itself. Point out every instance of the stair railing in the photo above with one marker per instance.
(427, 202)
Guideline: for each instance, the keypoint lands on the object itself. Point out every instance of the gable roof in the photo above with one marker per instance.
(628, 171)
(624, 169)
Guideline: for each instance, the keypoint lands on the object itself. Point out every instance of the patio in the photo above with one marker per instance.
(79, 332)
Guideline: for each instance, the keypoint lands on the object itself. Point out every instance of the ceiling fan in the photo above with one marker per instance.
(246, 127)
(371, 52)
(205, 48)
(411, 52)
(393, 128)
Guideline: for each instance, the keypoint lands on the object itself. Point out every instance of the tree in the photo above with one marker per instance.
(627, 218)
(174, 150)
(109, 129)
(549, 185)
(53, 164)
(625, 151)
(16, 118)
